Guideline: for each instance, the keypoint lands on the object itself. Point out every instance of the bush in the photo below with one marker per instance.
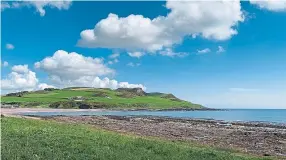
(50, 89)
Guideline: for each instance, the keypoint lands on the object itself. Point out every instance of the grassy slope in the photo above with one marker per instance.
(34, 139)
(154, 101)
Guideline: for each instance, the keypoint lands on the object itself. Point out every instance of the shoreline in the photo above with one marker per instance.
(258, 138)
(18, 110)
(169, 109)
(251, 138)
(21, 111)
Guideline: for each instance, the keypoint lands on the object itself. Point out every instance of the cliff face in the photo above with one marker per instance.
(135, 91)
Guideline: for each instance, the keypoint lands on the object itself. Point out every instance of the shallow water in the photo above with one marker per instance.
(263, 115)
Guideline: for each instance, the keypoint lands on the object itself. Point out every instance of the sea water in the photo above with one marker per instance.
(257, 115)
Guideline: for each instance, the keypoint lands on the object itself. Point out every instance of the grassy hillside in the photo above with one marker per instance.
(98, 98)
(36, 139)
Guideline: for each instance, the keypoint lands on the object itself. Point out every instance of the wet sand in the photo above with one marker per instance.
(254, 138)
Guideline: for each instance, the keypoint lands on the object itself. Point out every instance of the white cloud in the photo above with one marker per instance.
(42, 86)
(21, 78)
(38, 5)
(5, 64)
(72, 65)
(136, 54)
(170, 53)
(10, 46)
(211, 20)
(272, 5)
(96, 82)
(20, 68)
(220, 49)
(113, 58)
(114, 55)
(131, 64)
(132, 32)
(203, 51)
(72, 69)
(113, 61)
(64, 70)
(128, 85)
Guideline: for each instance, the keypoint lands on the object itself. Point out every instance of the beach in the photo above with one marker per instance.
(253, 138)
(257, 138)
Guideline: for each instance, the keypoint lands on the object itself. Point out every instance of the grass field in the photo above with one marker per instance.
(114, 100)
(37, 139)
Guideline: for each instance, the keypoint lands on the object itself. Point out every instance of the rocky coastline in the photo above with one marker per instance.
(263, 139)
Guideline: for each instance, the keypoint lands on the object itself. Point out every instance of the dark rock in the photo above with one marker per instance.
(130, 92)
(17, 94)
(137, 91)
(201, 131)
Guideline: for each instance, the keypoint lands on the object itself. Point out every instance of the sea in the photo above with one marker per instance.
(229, 115)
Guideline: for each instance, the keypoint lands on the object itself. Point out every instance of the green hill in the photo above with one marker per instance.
(86, 98)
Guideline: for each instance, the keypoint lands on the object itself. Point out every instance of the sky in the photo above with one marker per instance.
(227, 54)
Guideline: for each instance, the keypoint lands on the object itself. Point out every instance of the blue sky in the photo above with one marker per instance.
(249, 71)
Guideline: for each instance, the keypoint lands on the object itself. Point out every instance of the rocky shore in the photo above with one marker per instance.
(249, 137)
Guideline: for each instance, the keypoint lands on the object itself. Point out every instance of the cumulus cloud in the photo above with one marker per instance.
(21, 78)
(96, 82)
(136, 54)
(73, 69)
(20, 68)
(211, 20)
(272, 5)
(5, 64)
(9, 46)
(128, 85)
(42, 86)
(64, 70)
(203, 51)
(38, 5)
(220, 49)
(132, 32)
(72, 65)
(131, 64)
